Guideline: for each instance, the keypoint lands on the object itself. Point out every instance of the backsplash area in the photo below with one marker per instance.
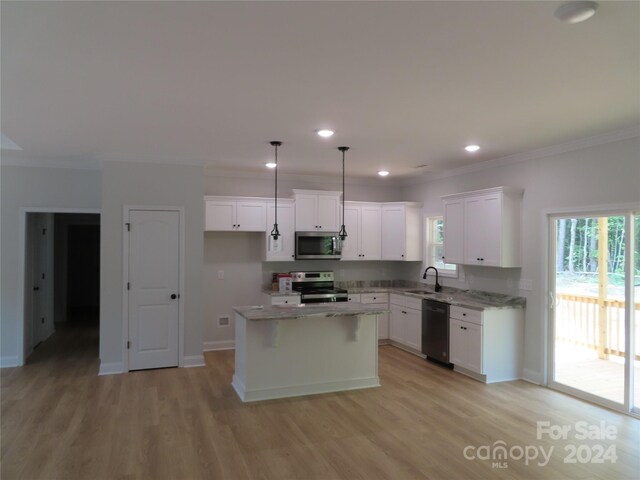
(344, 271)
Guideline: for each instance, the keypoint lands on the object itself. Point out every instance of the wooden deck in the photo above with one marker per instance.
(61, 421)
(580, 368)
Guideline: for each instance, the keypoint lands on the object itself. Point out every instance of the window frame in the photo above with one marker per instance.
(431, 245)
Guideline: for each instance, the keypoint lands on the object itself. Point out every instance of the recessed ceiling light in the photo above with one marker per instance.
(325, 133)
(270, 165)
(472, 148)
(576, 12)
(383, 173)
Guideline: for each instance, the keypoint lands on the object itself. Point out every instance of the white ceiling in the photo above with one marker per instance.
(403, 84)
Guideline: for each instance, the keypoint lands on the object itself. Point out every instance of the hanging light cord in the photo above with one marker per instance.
(343, 230)
(275, 233)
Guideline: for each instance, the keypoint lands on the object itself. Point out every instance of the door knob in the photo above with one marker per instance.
(173, 296)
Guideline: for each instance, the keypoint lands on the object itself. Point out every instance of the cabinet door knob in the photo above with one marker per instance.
(464, 314)
(173, 296)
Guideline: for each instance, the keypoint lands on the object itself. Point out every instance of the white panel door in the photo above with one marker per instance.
(328, 213)
(393, 233)
(371, 233)
(154, 278)
(351, 244)
(383, 326)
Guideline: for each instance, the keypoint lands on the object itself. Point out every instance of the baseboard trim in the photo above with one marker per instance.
(9, 362)
(218, 345)
(300, 390)
(193, 361)
(111, 368)
(405, 348)
(531, 376)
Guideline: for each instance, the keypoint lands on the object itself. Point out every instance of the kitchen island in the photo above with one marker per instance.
(293, 350)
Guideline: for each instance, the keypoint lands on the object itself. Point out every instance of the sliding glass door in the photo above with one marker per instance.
(594, 271)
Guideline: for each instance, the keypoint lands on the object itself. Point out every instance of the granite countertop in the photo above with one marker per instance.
(281, 312)
(474, 299)
(280, 294)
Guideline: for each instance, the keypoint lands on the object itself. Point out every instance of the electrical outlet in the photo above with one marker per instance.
(220, 274)
(223, 321)
(525, 284)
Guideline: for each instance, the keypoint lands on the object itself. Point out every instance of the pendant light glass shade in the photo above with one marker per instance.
(343, 230)
(275, 233)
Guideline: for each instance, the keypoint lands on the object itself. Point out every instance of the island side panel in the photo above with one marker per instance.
(239, 374)
(312, 355)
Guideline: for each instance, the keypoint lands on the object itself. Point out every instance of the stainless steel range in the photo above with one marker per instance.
(317, 287)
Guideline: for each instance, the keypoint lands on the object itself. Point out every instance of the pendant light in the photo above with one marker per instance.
(275, 233)
(343, 230)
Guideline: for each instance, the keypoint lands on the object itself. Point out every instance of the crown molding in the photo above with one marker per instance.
(579, 144)
(212, 171)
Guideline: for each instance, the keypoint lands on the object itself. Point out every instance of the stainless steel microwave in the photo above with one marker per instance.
(318, 246)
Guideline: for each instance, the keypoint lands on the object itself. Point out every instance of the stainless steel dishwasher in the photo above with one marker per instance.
(435, 331)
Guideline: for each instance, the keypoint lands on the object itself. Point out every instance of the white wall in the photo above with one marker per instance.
(239, 254)
(22, 187)
(602, 175)
(153, 185)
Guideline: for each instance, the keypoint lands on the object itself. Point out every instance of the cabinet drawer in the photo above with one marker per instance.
(356, 297)
(396, 299)
(412, 302)
(466, 314)
(375, 298)
(287, 299)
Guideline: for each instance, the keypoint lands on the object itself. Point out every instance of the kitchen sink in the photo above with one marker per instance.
(421, 292)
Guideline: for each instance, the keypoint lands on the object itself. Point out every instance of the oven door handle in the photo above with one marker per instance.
(333, 244)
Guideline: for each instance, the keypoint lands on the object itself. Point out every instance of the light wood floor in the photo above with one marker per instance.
(61, 421)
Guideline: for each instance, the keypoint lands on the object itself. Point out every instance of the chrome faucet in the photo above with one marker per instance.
(438, 287)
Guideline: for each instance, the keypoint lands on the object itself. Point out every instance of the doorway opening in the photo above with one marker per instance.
(62, 286)
(594, 288)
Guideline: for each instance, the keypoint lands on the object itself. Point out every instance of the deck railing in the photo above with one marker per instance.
(577, 322)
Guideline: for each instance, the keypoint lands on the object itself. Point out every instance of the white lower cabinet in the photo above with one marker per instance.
(405, 323)
(465, 349)
(378, 299)
(487, 345)
(281, 299)
(383, 318)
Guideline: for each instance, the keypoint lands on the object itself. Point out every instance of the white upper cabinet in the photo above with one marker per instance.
(483, 227)
(234, 214)
(364, 232)
(317, 210)
(401, 231)
(282, 249)
(453, 230)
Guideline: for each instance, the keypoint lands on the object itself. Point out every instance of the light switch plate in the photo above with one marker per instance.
(525, 284)
(220, 274)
